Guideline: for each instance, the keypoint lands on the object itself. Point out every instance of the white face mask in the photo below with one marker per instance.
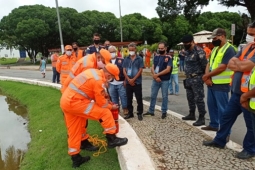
(68, 53)
(100, 64)
(131, 53)
(249, 38)
(113, 55)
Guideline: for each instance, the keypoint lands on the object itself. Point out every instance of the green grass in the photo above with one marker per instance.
(48, 149)
(5, 61)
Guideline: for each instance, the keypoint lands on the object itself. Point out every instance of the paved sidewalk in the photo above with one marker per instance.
(174, 144)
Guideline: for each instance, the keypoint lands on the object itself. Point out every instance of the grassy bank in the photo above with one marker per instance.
(6, 61)
(48, 149)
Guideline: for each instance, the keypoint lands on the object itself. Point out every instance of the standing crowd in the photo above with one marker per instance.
(96, 81)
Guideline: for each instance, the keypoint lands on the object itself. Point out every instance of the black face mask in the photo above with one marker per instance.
(75, 49)
(161, 51)
(216, 43)
(96, 41)
(187, 46)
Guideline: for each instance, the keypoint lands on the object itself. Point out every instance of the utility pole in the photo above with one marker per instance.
(60, 30)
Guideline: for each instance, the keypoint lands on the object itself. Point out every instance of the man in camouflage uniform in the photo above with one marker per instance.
(195, 68)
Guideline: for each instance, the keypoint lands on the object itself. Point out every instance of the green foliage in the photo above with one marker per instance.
(48, 149)
(6, 61)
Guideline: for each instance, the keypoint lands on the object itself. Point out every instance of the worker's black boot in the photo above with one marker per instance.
(78, 160)
(114, 141)
(85, 144)
(191, 116)
(200, 121)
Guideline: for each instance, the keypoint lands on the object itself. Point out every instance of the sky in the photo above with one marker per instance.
(145, 7)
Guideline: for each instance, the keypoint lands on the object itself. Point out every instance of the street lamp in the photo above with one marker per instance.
(121, 37)
(60, 30)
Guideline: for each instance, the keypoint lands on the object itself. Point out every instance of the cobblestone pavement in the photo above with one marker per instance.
(173, 144)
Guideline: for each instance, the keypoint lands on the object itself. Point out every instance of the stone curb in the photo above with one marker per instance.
(133, 156)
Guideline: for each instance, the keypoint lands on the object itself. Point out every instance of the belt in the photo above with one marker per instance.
(191, 75)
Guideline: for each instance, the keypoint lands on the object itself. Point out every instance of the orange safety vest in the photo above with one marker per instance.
(88, 86)
(81, 65)
(54, 60)
(64, 65)
(79, 55)
(245, 77)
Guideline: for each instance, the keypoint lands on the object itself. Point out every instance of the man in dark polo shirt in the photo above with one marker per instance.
(132, 69)
(161, 72)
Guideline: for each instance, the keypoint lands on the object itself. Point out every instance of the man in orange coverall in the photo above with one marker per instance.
(83, 99)
(148, 58)
(95, 60)
(207, 51)
(65, 63)
(63, 66)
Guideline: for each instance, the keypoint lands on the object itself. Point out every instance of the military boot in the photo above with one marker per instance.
(85, 144)
(78, 160)
(113, 140)
(200, 121)
(191, 116)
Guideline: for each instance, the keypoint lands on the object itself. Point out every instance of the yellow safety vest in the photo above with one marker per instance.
(215, 61)
(175, 66)
(251, 86)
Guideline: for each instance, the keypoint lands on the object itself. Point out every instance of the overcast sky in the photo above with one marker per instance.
(145, 7)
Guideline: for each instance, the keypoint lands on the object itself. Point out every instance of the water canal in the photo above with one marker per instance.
(14, 135)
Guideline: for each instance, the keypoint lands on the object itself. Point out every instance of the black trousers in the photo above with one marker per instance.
(137, 89)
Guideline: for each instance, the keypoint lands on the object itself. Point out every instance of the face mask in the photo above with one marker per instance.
(75, 49)
(113, 55)
(249, 38)
(131, 53)
(187, 46)
(68, 53)
(100, 64)
(96, 41)
(161, 51)
(203, 46)
(216, 42)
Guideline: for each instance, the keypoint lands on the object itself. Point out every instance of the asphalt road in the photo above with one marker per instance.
(177, 104)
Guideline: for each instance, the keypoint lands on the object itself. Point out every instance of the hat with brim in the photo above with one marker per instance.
(217, 32)
(113, 70)
(68, 47)
(106, 55)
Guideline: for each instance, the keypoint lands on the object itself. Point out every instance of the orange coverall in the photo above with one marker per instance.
(89, 61)
(207, 52)
(79, 54)
(64, 65)
(84, 99)
(147, 59)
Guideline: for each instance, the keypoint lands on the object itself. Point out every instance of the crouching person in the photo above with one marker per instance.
(84, 99)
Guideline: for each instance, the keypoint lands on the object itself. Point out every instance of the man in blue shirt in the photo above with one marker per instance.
(217, 77)
(94, 48)
(161, 71)
(132, 69)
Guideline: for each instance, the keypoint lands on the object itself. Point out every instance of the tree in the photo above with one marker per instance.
(170, 9)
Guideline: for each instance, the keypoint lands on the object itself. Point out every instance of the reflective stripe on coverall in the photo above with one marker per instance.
(84, 99)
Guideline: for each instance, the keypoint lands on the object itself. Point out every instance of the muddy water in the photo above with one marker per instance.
(14, 135)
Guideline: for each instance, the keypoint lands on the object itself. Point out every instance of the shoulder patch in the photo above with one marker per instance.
(166, 59)
(119, 61)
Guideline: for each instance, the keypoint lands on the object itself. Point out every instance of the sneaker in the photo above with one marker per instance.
(171, 93)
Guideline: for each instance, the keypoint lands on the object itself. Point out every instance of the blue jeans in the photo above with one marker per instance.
(229, 116)
(116, 92)
(216, 102)
(56, 75)
(154, 93)
(181, 65)
(253, 123)
(175, 78)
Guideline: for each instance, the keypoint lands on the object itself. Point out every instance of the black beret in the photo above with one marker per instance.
(187, 38)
